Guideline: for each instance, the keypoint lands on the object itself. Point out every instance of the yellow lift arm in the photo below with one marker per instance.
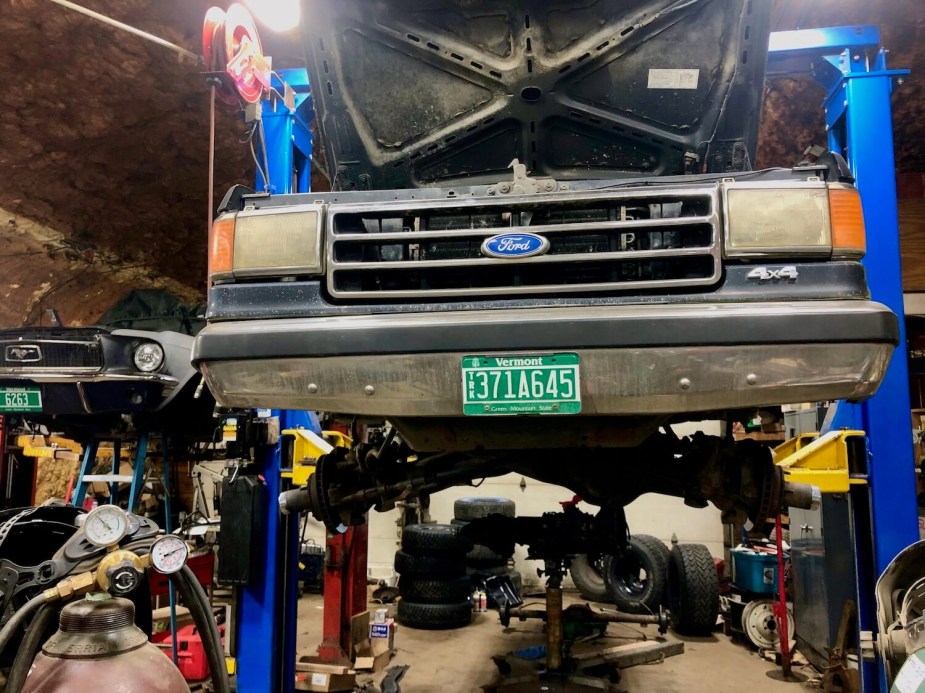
(307, 447)
(822, 461)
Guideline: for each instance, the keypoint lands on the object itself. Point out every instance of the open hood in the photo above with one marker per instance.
(413, 93)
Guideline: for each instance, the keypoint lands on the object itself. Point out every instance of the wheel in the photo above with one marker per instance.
(434, 616)
(760, 626)
(636, 581)
(587, 574)
(483, 556)
(475, 508)
(429, 566)
(435, 591)
(433, 539)
(693, 589)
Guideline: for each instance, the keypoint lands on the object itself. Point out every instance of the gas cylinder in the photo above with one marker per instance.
(98, 647)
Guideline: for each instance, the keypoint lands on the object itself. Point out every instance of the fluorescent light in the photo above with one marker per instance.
(278, 15)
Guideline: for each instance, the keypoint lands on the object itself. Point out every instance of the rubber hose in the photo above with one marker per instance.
(29, 647)
(198, 603)
(194, 595)
(17, 619)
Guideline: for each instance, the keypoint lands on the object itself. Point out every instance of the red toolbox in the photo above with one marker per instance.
(191, 655)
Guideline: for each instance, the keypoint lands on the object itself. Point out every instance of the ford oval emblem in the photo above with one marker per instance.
(515, 245)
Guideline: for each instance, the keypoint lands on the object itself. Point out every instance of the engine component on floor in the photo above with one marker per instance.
(503, 590)
(760, 626)
(98, 647)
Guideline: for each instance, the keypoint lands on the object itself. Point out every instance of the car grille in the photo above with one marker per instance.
(614, 241)
(50, 355)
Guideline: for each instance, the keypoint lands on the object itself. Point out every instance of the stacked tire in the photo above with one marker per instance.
(482, 561)
(434, 588)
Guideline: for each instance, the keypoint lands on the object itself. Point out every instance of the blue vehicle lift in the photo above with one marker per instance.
(269, 604)
(851, 66)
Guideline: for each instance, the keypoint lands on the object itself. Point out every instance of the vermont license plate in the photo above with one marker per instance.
(20, 399)
(523, 384)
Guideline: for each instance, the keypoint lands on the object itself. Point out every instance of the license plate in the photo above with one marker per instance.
(20, 399)
(522, 384)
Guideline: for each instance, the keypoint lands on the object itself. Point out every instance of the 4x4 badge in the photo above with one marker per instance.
(765, 274)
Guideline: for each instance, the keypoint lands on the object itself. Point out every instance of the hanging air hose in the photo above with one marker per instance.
(30, 646)
(197, 602)
(16, 620)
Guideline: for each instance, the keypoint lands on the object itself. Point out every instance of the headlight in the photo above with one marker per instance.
(148, 357)
(801, 219)
(264, 243)
(761, 221)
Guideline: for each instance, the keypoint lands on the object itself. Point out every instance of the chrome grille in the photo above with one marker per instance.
(42, 355)
(598, 242)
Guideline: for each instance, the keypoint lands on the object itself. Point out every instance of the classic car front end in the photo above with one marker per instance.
(91, 372)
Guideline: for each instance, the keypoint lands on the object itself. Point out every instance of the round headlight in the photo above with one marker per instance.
(149, 357)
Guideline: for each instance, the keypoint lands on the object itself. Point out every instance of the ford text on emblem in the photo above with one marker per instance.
(23, 353)
(515, 245)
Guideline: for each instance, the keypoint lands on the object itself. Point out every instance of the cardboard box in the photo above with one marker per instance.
(373, 655)
(314, 676)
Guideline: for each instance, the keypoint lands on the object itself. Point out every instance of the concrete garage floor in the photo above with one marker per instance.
(459, 661)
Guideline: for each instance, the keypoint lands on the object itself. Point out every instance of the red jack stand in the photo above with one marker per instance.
(344, 592)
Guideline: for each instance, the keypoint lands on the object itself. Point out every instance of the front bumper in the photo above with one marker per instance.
(635, 359)
(95, 393)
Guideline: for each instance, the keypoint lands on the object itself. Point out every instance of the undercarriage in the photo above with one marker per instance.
(739, 478)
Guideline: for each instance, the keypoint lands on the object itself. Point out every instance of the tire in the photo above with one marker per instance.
(475, 508)
(693, 590)
(483, 556)
(446, 591)
(434, 616)
(589, 579)
(413, 565)
(637, 580)
(433, 540)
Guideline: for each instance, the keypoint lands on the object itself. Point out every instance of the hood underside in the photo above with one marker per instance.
(413, 93)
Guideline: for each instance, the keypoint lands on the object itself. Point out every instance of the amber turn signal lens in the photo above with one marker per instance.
(221, 246)
(847, 217)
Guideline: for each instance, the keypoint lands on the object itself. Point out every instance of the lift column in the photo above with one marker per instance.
(851, 66)
(269, 606)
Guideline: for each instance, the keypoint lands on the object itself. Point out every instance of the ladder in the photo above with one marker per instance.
(136, 478)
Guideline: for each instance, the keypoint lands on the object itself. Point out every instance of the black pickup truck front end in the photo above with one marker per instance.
(675, 298)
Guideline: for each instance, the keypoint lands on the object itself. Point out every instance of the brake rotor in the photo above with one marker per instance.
(760, 626)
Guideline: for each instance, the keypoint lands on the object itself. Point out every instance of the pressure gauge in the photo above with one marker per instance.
(106, 525)
(168, 554)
